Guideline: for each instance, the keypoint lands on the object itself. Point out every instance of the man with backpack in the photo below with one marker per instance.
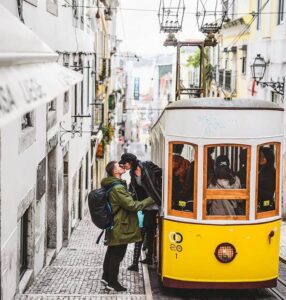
(125, 227)
(146, 180)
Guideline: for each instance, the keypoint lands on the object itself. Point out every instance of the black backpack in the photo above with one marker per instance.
(100, 208)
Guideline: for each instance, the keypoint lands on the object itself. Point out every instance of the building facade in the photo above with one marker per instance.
(252, 27)
(49, 160)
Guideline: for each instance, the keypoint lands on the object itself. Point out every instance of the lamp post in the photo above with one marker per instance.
(258, 69)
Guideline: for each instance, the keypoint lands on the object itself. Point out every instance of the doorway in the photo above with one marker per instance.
(80, 189)
(66, 200)
(52, 200)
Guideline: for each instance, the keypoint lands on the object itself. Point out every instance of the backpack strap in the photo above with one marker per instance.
(110, 187)
(99, 237)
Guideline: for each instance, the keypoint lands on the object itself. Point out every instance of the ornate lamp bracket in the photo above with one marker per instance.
(277, 86)
(75, 129)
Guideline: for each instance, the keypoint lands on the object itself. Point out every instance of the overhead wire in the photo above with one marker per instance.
(194, 13)
(186, 12)
(247, 26)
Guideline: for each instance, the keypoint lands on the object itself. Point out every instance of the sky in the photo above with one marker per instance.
(140, 30)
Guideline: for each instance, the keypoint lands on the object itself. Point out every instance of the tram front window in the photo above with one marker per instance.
(267, 172)
(227, 180)
(183, 170)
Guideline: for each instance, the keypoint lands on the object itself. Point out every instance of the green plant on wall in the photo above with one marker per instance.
(111, 102)
(194, 61)
(108, 134)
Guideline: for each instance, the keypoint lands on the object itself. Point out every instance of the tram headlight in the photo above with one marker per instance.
(225, 252)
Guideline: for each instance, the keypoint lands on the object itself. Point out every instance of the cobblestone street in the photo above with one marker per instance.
(76, 272)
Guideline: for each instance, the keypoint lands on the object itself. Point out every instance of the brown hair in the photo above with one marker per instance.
(180, 168)
(110, 167)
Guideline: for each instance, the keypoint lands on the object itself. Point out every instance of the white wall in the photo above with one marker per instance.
(19, 170)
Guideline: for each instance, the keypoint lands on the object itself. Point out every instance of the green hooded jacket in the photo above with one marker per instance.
(126, 228)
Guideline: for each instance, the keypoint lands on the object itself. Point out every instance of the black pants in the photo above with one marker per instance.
(149, 225)
(113, 257)
(137, 248)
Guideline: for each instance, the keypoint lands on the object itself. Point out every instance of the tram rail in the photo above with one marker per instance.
(282, 283)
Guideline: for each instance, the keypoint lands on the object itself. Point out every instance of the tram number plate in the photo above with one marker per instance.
(176, 238)
(177, 248)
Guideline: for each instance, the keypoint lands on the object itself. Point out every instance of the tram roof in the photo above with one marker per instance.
(220, 103)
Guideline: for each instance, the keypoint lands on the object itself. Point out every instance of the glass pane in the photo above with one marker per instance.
(190, 67)
(226, 207)
(183, 166)
(226, 167)
(267, 177)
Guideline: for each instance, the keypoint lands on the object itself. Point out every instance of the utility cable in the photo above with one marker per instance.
(247, 26)
(20, 10)
(186, 12)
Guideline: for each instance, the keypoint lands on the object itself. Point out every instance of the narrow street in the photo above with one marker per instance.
(138, 149)
(76, 272)
(187, 85)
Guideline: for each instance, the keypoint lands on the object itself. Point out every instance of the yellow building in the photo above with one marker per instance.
(252, 27)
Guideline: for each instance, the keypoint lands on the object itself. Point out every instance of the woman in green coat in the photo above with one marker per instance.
(125, 229)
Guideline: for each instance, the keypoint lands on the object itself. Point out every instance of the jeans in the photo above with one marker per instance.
(150, 217)
(113, 257)
(137, 249)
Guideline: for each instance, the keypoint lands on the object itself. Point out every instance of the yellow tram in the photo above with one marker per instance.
(216, 231)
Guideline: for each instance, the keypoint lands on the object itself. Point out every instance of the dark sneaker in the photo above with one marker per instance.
(147, 261)
(116, 287)
(133, 268)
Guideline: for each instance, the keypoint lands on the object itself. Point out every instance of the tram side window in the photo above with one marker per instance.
(183, 170)
(267, 173)
(226, 170)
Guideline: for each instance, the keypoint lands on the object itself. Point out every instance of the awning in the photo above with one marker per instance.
(29, 73)
(24, 87)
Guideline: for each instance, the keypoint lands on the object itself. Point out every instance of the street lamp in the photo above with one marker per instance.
(210, 15)
(171, 15)
(258, 69)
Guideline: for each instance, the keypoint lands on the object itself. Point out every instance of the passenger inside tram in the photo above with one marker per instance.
(182, 177)
(210, 174)
(242, 168)
(223, 178)
(266, 179)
